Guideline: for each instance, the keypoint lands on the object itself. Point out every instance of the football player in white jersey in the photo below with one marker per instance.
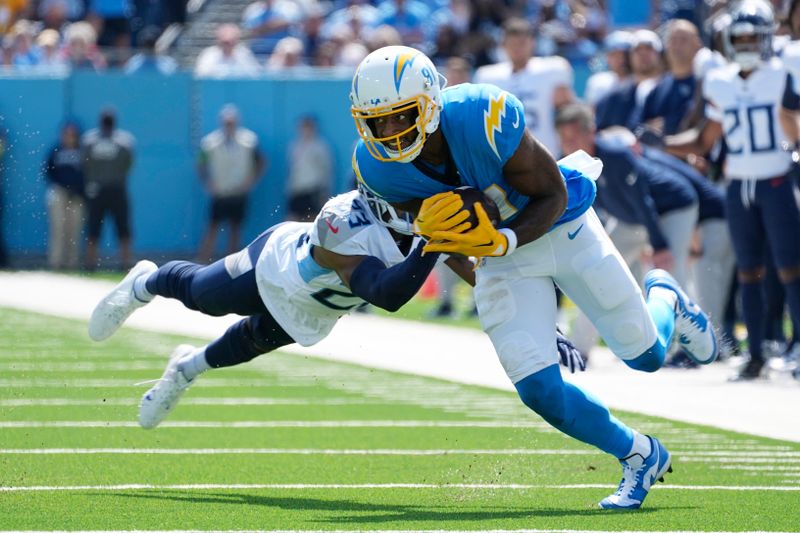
(293, 283)
(541, 83)
(744, 107)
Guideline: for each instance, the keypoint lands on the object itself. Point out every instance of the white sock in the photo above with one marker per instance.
(194, 364)
(641, 445)
(668, 295)
(140, 291)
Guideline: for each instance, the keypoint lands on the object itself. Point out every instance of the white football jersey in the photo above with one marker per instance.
(748, 110)
(535, 86)
(304, 298)
(791, 58)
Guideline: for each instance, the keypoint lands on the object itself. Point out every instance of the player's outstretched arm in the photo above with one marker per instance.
(533, 171)
(369, 278)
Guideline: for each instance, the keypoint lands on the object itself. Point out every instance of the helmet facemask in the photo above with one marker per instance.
(395, 219)
(390, 148)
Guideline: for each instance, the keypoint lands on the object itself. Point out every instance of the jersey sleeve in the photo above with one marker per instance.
(710, 90)
(502, 122)
(342, 227)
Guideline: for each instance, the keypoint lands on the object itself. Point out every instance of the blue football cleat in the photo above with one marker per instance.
(695, 333)
(638, 475)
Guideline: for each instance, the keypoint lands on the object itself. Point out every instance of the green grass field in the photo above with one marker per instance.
(297, 444)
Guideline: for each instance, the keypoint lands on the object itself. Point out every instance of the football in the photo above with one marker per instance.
(471, 196)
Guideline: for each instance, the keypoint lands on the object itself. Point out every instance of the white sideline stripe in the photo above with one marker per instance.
(276, 424)
(80, 366)
(40, 402)
(119, 382)
(280, 451)
(361, 486)
(684, 455)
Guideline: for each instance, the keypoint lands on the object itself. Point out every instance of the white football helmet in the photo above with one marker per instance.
(394, 80)
(747, 39)
(395, 219)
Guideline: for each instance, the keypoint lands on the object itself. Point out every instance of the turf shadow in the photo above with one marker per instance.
(380, 512)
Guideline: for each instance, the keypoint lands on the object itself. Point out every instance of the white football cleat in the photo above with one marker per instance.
(693, 328)
(115, 308)
(162, 397)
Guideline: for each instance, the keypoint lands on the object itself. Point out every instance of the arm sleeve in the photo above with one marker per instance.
(391, 288)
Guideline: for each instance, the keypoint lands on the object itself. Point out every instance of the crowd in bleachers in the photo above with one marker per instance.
(93, 34)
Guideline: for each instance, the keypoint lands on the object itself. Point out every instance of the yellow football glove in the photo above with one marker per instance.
(440, 212)
(482, 241)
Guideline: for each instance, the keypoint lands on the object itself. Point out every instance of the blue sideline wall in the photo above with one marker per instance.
(168, 116)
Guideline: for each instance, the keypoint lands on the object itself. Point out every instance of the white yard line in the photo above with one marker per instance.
(371, 486)
(221, 402)
(275, 424)
(786, 457)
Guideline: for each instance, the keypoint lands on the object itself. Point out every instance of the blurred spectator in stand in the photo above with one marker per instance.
(543, 84)
(351, 23)
(148, 59)
(269, 21)
(230, 164)
(25, 54)
(112, 22)
(384, 35)
(351, 55)
(457, 70)
(311, 176)
(50, 59)
(6, 51)
(228, 57)
(107, 160)
(10, 12)
(599, 84)
(311, 33)
(65, 200)
(288, 53)
(56, 13)
(80, 50)
(409, 17)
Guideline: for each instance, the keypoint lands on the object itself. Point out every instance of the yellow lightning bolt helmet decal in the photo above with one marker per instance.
(402, 62)
(492, 119)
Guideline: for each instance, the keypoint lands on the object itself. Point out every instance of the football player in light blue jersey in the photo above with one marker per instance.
(420, 141)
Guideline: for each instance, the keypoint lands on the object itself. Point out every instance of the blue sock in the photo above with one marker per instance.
(753, 315)
(663, 315)
(574, 412)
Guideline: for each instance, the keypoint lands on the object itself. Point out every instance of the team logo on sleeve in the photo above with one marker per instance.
(493, 119)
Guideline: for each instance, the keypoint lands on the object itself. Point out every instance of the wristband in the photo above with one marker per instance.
(511, 237)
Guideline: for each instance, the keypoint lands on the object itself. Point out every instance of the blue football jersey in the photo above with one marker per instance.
(483, 126)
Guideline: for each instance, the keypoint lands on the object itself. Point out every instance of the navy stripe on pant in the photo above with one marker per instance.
(212, 290)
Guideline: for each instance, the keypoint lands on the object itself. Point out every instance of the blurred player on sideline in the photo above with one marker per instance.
(420, 141)
(744, 107)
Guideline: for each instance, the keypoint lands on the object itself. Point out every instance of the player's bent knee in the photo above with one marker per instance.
(753, 275)
(543, 392)
(789, 274)
(649, 361)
